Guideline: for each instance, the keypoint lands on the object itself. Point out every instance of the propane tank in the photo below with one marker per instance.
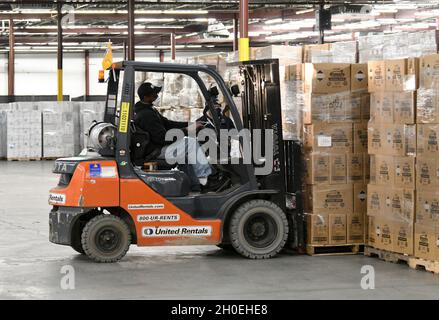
(101, 135)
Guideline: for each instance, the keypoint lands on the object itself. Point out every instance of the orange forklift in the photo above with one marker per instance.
(107, 200)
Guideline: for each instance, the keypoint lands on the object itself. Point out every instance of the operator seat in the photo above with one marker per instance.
(140, 140)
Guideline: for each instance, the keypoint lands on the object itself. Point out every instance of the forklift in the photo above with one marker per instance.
(106, 200)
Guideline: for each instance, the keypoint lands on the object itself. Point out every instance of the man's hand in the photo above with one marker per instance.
(199, 125)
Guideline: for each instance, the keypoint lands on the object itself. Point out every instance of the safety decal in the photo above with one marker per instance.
(189, 231)
(108, 172)
(95, 170)
(124, 114)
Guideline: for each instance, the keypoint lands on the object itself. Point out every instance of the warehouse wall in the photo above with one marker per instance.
(35, 74)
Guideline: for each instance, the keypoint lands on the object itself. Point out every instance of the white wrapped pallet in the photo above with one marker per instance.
(60, 129)
(23, 134)
(2, 133)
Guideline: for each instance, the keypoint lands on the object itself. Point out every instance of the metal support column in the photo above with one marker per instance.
(173, 46)
(162, 56)
(244, 42)
(321, 28)
(11, 63)
(235, 33)
(60, 53)
(125, 51)
(131, 40)
(87, 72)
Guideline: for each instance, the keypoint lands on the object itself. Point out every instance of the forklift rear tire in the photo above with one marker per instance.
(106, 238)
(258, 229)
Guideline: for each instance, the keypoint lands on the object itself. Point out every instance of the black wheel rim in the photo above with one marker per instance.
(108, 239)
(260, 230)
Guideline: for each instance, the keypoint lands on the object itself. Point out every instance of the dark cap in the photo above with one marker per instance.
(147, 89)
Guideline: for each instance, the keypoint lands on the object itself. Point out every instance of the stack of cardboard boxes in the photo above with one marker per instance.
(427, 161)
(392, 146)
(335, 114)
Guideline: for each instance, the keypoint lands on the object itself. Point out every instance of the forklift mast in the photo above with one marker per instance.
(261, 109)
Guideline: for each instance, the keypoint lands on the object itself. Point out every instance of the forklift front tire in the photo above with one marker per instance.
(77, 246)
(106, 238)
(258, 229)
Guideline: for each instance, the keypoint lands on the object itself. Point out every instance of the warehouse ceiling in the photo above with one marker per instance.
(198, 25)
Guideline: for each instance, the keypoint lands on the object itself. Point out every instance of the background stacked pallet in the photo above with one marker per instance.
(35, 130)
(20, 135)
(335, 114)
(427, 162)
(392, 146)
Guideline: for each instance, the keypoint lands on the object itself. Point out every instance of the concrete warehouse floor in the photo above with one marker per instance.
(30, 265)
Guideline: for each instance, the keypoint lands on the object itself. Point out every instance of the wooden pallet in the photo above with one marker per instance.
(385, 255)
(333, 249)
(412, 262)
(24, 159)
(417, 264)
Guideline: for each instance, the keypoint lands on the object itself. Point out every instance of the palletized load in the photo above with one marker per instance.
(398, 45)
(21, 134)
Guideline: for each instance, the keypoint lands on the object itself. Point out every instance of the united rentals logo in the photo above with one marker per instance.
(57, 198)
(190, 231)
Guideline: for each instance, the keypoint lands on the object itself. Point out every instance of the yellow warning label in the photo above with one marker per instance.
(124, 114)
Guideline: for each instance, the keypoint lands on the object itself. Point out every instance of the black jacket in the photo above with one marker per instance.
(147, 118)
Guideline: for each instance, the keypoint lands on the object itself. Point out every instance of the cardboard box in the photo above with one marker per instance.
(387, 232)
(374, 233)
(427, 207)
(376, 200)
(359, 78)
(427, 174)
(367, 168)
(327, 77)
(330, 108)
(360, 137)
(428, 140)
(391, 139)
(355, 168)
(355, 228)
(360, 198)
(317, 229)
(329, 137)
(365, 112)
(329, 199)
(376, 75)
(287, 55)
(403, 237)
(338, 168)
(404, 172)
(385, 171)
(429, 71)
(391, 203)
(381, 107)
(427, 106)
(425, 242)
(404, 107)
(317, 168)
(372, 167)
(401, 75)
(310, 50)
(337, 228)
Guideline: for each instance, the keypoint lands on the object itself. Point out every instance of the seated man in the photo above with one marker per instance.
(150, 120)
